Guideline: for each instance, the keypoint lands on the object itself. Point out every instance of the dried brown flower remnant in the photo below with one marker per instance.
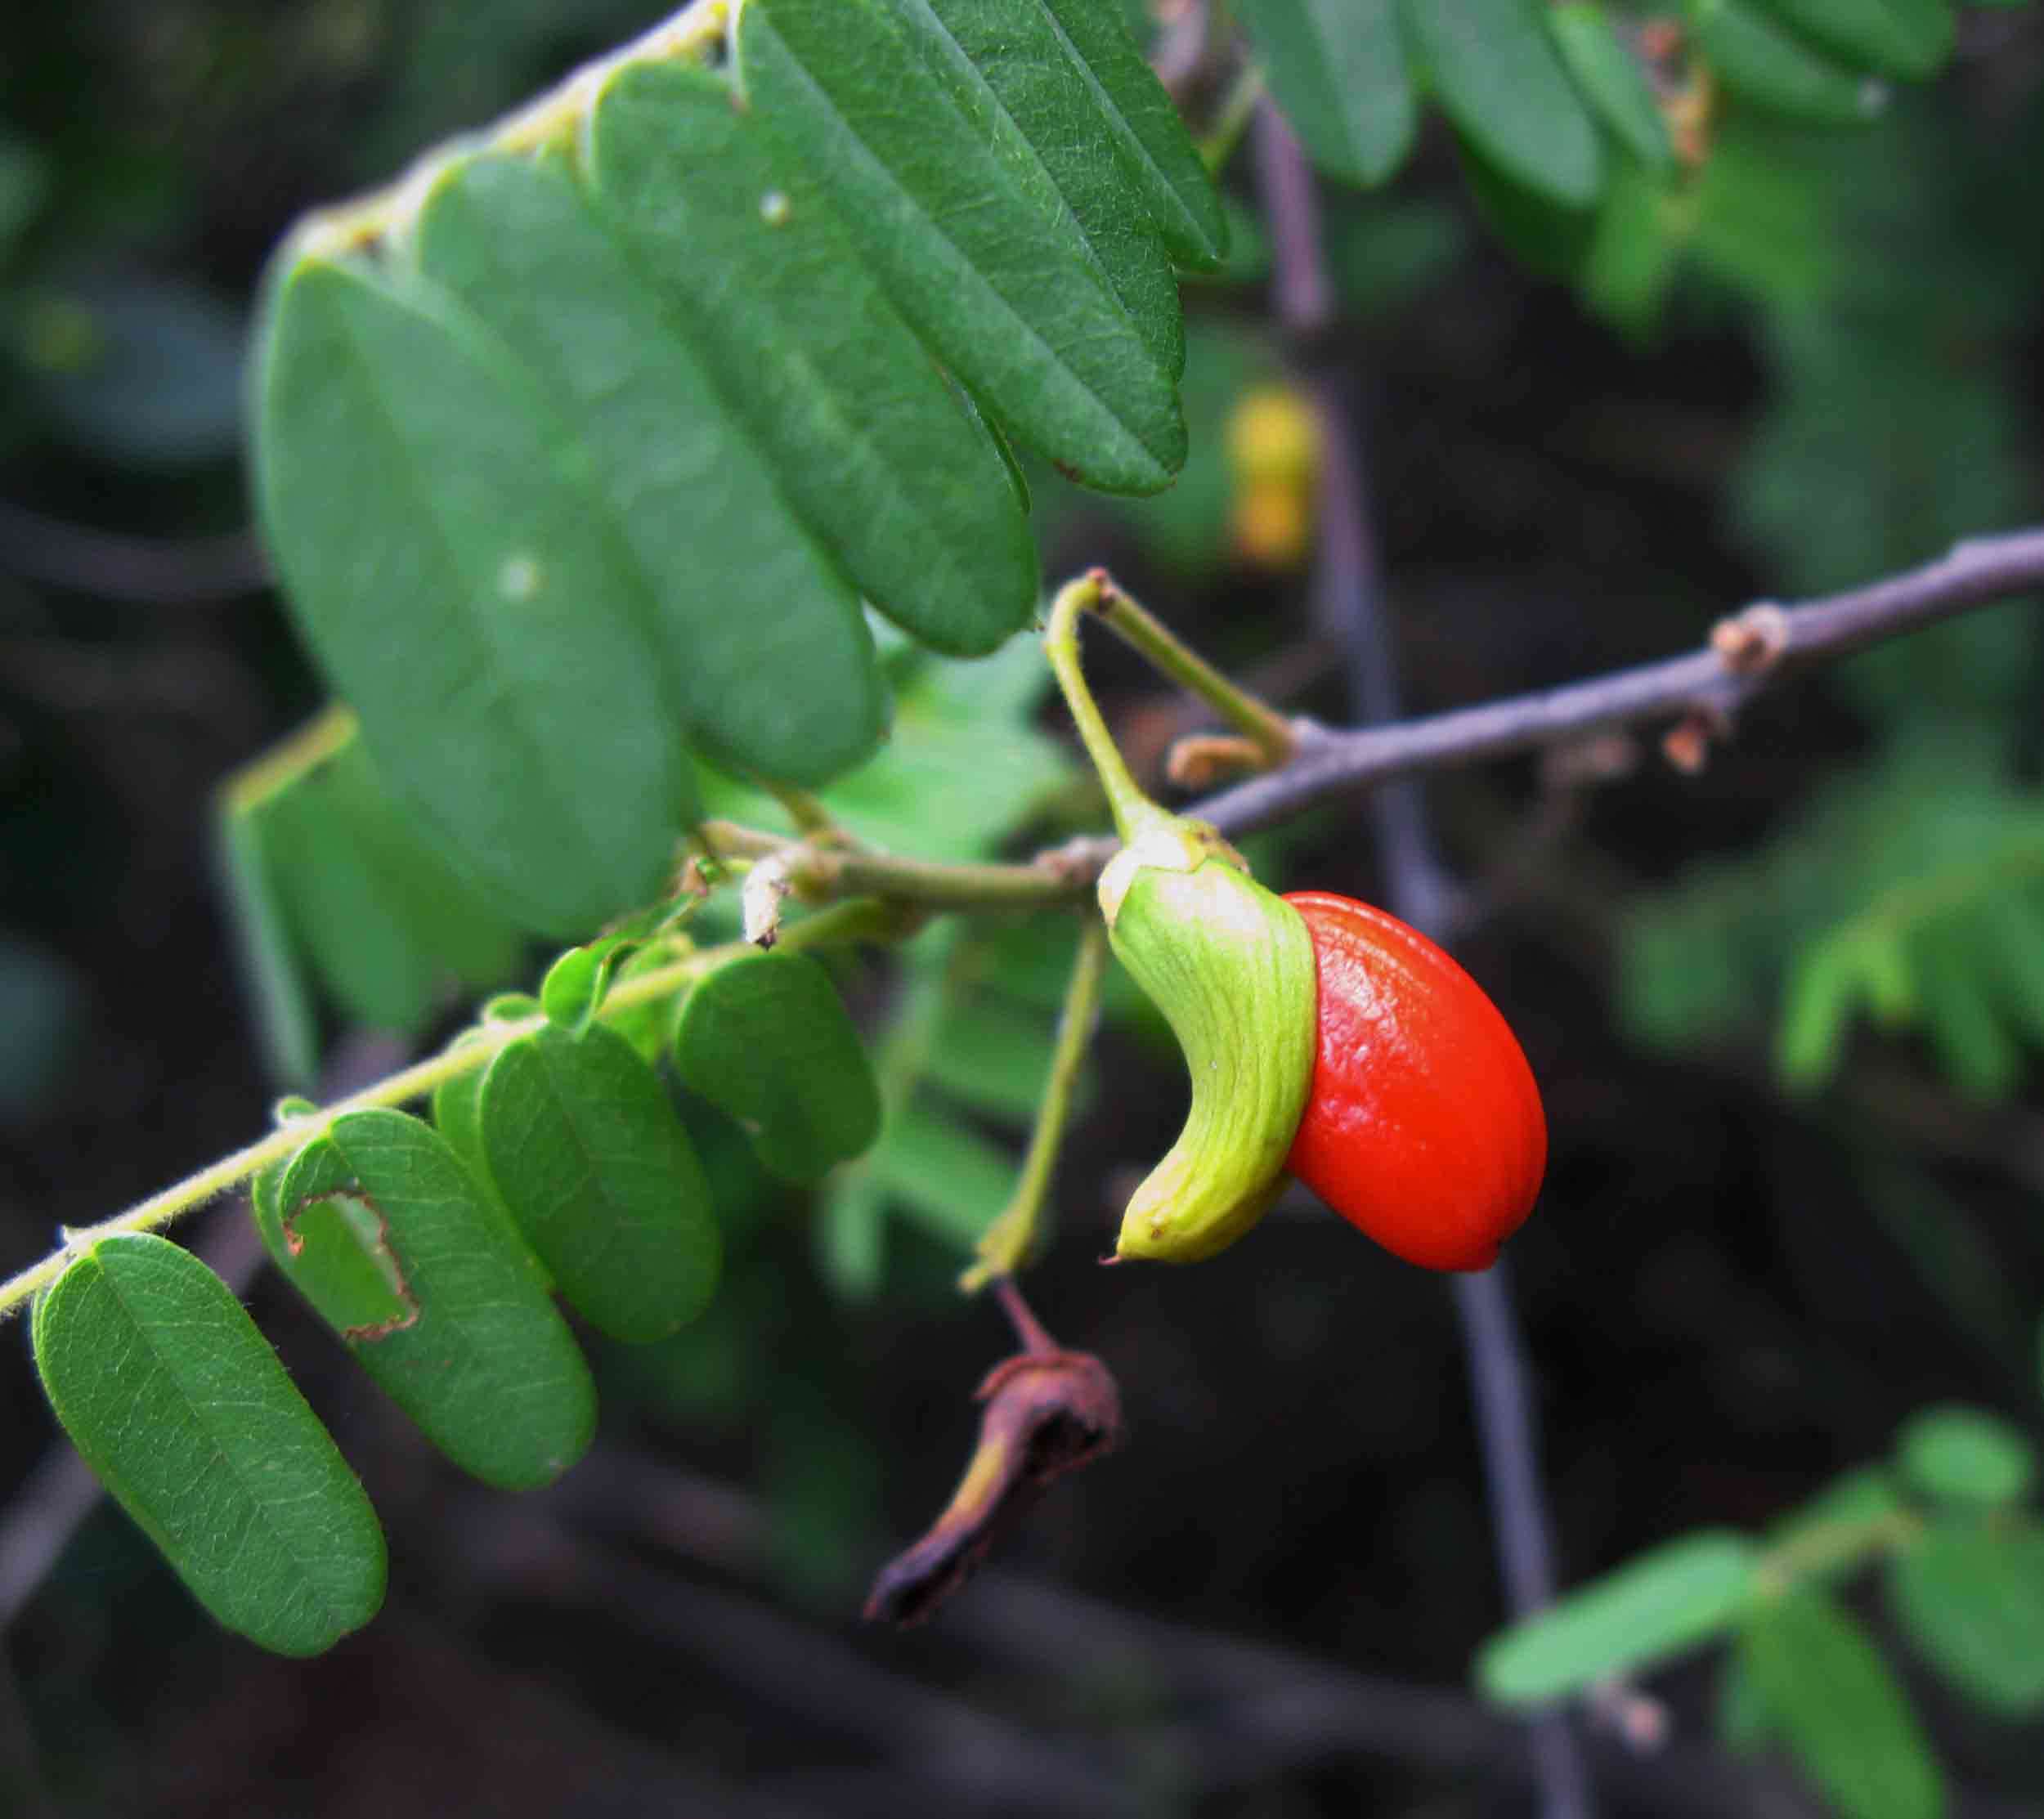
(1048, 1412)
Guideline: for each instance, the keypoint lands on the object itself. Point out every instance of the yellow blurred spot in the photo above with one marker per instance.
(1271, 526)
(1274, 438)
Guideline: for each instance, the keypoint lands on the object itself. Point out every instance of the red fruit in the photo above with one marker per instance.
(1423, 1127)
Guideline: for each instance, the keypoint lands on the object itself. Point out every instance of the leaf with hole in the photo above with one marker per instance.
(1665, 1602)
(1006, 297)
(185, 1414)
(586, 1150)
(1970, 1595)
(765, 1039)
(814, 367)
(1834, 1702)
(1337, 69)
(449, 564)
(486, 1368)
(1500, 80)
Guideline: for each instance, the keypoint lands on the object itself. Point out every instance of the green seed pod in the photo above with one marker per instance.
(1231, 967)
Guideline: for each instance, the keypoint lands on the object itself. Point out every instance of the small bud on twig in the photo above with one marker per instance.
(1751, 640)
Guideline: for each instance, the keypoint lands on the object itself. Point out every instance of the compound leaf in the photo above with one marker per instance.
(1006, 297)
(814, 363)
(452, 573)
(763, 645)
(587, 1152)
(185, 1414)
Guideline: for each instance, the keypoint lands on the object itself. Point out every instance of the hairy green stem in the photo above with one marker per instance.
(1006, 1244)
(1836, 1546)
(860, 920)
(817, 872)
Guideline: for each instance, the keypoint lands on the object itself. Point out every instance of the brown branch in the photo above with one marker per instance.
(1757, 651)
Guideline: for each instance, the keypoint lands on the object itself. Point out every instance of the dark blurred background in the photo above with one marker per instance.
(1266, 1604)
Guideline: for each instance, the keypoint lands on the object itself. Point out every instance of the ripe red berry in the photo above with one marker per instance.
(1423, 1127)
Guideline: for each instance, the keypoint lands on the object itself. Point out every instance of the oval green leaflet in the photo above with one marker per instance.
(451, 568)
(1668, 1600)
(1005, 295)
(1970, 1595)
(765, 1039)
(756, 632)
(463, 1338)
(185, 1414)
(586, 1150)
(866, 441)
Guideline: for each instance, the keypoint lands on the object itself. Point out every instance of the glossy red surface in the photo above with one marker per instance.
(1423, 1128)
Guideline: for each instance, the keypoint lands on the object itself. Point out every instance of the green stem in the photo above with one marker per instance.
(1133, 809)
(1237, 107)
(843, 923)
(828, 872)
(1836, 1546)
(1257, 720)
(1007, 1243)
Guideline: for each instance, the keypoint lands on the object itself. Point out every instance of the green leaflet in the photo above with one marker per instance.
(1971, 1596)
(1009, 68)
(992, 1054)
(762, 639)
(1499, 79)
(1966, 1458)
(1156, 155)
(387, 927)
(1827, 1690)
(1662, 1603)
(453, 573)
(588, 1153)
(183, 1412)
(1898, 37)
(1773, 70)
(1006, 297)
(285, 1018)
(1610, 79)
(946, 1178)
(816, 370)
(487, 1369)
(765, 1039)
(1337, 69)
